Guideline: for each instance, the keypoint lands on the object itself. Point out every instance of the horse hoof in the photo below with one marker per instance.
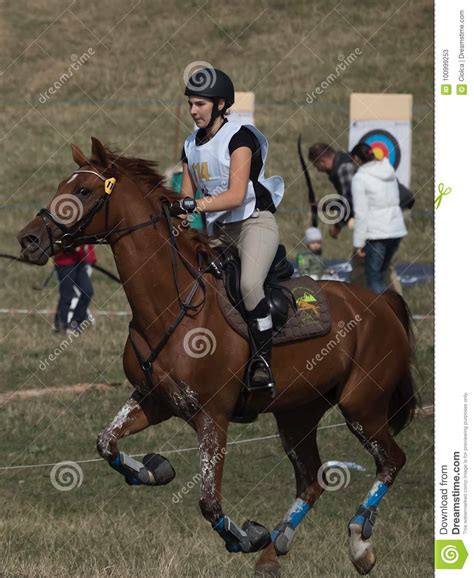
(362, 553)
(160, 468)
(257, 534)
(267, 570)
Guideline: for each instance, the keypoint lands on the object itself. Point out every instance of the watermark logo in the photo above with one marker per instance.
(77, 62)
(333, 208)
(342, 66)
(343, 330)
(65, 343)
(450, 554)
(199, 342)
(66, 209)
(199, 75)
(333, 477)
(66, 476)
(197, 478)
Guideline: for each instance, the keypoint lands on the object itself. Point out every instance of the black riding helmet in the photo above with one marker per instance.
(211, 83)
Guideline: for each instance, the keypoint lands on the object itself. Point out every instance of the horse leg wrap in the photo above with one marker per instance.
(284, 533)
(252, 537)
(154, 471)
(258, 535)
(365, 517)
(282, 537)
(134, 471)
(236, 540)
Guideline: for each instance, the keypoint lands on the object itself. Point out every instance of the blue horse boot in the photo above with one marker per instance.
(155, 470)
(361, 526)
(252, 537)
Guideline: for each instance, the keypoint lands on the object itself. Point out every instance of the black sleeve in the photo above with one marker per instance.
(183, 156)
(243, 138)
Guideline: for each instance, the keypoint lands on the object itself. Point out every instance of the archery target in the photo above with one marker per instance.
(383, 145)
(388, 139)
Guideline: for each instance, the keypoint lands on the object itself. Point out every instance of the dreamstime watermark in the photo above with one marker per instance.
(333, 477)
(197, 478)
(199, 75)
(199, 342)
(66, 209)
(341, 333)
(342, 66)
(77, 62)
(65, 343)
(66, 476)
(185, 223)
(333, 208)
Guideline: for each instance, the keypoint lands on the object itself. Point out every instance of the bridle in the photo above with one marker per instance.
(72, 236)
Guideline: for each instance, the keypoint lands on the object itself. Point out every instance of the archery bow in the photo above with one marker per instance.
(311, 194)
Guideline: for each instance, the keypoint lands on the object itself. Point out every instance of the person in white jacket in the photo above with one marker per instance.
(378, 218)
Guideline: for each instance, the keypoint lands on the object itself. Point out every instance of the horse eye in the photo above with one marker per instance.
(83, 191)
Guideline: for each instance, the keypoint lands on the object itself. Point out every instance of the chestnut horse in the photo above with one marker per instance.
(185, 360)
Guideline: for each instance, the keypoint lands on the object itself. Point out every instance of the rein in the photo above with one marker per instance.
(69, 238)
(185, 306)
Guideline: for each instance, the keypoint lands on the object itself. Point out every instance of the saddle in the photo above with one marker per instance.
(298, 306)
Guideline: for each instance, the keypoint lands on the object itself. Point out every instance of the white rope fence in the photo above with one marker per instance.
(176, 451)
(182, 450)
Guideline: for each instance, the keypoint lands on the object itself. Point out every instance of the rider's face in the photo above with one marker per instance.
(200, 109)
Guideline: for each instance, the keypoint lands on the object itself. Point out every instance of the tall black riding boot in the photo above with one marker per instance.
(259, 373)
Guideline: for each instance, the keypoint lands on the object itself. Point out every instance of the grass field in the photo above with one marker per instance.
(126, 95)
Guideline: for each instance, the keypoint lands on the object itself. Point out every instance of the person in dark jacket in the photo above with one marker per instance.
(72, 271)
(340, 168)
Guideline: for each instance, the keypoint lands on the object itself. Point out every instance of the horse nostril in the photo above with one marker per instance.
(30, 242)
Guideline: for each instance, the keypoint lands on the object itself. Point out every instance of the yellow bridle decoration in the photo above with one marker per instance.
(109, 185)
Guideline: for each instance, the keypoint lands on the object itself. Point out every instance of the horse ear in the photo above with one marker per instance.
(99, 154)
(78, 156)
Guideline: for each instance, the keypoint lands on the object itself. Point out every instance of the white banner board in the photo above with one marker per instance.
(383, 121)
(388, 138)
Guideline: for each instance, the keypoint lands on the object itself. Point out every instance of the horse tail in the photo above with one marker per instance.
(404, 399)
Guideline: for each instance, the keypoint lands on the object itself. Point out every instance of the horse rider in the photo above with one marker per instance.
(226, 161)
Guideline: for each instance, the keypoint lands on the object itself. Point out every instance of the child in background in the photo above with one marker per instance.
(310, 261)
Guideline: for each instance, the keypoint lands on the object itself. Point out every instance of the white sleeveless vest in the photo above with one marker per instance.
(209, 166)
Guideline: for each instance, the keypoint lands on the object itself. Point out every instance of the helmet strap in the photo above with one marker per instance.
(216, 113)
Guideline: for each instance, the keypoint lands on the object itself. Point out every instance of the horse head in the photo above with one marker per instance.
(89, 204)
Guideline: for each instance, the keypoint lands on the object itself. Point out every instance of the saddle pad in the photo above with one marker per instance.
(311, 319)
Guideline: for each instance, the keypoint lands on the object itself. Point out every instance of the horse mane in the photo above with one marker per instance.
(146, 171)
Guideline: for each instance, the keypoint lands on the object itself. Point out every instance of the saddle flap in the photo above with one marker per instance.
(310, 319)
